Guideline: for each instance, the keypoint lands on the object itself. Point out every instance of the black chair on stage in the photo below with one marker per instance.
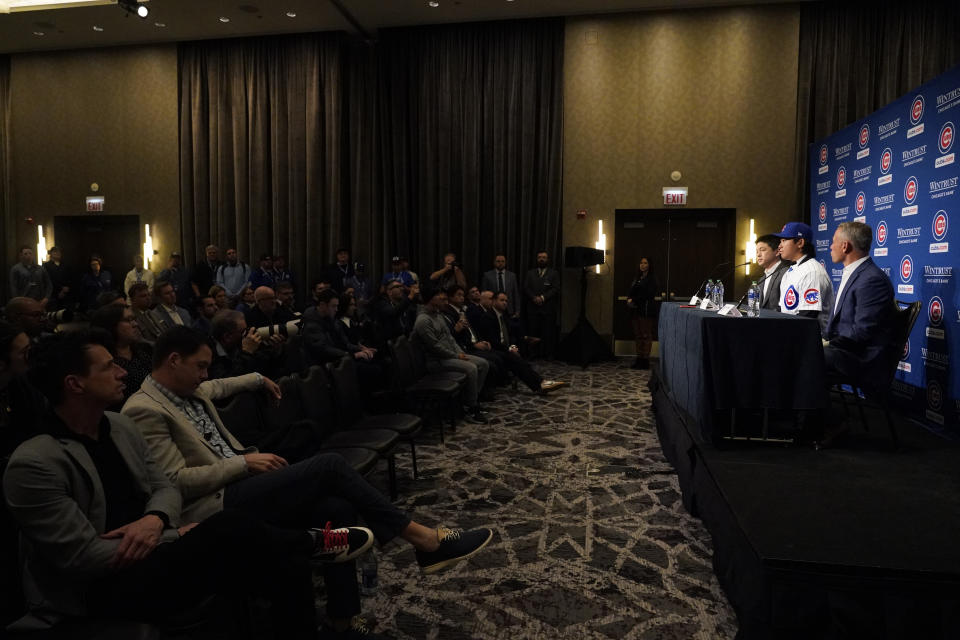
(905, 316)
(350, 413)
(429, 393)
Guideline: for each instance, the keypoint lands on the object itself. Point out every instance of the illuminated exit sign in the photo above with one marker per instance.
(675, 196)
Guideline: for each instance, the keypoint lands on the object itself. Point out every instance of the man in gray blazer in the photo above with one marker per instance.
(768, 257)
(500, 280)
(100, 523)
(167, 312)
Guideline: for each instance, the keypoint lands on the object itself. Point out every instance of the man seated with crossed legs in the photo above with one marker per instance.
(174, 411)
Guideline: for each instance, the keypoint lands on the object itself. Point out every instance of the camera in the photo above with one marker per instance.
(59, 316)
(287, 330)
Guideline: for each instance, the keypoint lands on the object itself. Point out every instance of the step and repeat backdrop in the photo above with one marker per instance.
(897, 170)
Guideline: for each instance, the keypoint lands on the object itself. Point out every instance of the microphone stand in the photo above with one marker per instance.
(709, 275)
(744, 296)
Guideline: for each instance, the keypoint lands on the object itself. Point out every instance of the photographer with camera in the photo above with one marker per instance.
(238, 350)
(265, 311)
(449, 274)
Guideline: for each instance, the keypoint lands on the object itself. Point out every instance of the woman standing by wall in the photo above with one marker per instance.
(643, 310)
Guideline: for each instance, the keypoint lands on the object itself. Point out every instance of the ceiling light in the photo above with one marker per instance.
(13, 6)
(134, 6)
(434, 3)
(160, 24)
(97, 28)
(142, 11)
(291, 14)
(38, 33)
(224, 19)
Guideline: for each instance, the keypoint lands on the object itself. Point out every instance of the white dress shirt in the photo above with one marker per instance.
(847, 272)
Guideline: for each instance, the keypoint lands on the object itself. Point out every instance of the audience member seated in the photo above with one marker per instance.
(246, 300)
(127, 345)
(492, 325)
(473, 300)
(467, 338)
(348, 318)
(266, 312)
(141, 301)
(204, 274)
(176, 274)
(449, 274)
(393, 312)
(27, 315)
(263, 276)
(61, 279)
(137, 275)
(30, 280)
(358, 285)
(219, 295)
(501, 280)
(206, 309)
(286, 299)
(325, 340)
(397, 273)
(101, 524)
(167, 311)
(94, 282)
(340, 270)
(318, 285)
(175, 412)
(238, 350)
(233, 275)
(430, 333)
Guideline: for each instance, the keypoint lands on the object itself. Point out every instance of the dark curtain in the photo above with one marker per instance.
(260, 148)
(471, 146)
(434, 139)
(9, 226)
(856, 57)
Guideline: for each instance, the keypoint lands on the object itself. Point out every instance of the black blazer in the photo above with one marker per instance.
(548, 286)
(772, 299)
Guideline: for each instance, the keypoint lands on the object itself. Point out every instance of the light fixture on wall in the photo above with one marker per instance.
(601, 242)
(750, 249)
(147, 246)
(41, 245)
(134, 7)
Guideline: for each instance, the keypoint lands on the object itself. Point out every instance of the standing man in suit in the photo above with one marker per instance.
(500, 280)
(541, 288)
(860, 331)
(768, 257)
(167, 313)
(101, 523)
(204, 274)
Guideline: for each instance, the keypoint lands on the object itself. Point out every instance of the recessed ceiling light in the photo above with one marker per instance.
(160, 24)
(291, 14)
(97, 27)
(434, 3)
(38, 33)
(224, 19)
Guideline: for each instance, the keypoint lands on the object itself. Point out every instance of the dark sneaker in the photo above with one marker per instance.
(476, 416)
(455, 545)
(340, 545)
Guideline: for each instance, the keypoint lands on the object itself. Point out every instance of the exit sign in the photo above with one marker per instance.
(675, 196)
(95, 204)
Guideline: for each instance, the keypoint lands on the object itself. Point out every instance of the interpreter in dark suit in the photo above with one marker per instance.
(101, 523)
(643, 310)
(860, 331)
(541, 290)
(768, 257)
(501, 280)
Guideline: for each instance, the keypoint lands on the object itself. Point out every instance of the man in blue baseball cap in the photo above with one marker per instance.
(805, 289)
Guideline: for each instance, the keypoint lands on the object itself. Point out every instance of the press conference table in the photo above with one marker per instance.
(712, 364)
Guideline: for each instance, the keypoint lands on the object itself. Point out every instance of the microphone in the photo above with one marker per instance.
(760, 281)
(709, 274)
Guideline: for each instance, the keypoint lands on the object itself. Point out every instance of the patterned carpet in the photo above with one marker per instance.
(591, 539)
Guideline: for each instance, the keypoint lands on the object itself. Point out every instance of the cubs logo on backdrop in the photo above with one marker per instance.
(944, 144)
(886, 160)
(935, 311)
(791, 298)
(841, 177)
(882, 233)
(864, 137)
(934, 395)
(940, 225)
(910, 188)
(822, 211)
(861, 202)
(916, 110)
(903, 365)
(906, 268)
(906, 350)
(823, 155)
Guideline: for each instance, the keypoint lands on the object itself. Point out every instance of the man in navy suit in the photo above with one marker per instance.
(860, 331)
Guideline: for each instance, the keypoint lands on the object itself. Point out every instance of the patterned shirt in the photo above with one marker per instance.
(196, 412)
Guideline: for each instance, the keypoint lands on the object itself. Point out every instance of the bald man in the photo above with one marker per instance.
(27, 314)
(266, 311)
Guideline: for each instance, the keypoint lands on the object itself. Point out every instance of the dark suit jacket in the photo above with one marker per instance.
(862, 322)
(510, 287)
(487, 328)
(548, 286)
(772, 299)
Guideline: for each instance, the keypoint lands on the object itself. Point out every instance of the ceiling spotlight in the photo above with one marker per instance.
(97, 28)
(160, 24)
(133, 6)
(38, 33)
(291, 14)
(434, 3)
(224, 19)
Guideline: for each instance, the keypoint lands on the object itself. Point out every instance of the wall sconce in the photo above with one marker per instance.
(751, 249)
(147, 246)
(41, 245)
(601, 243)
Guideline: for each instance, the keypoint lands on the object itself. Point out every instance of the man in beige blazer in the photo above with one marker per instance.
(99, 519)
(175, 412)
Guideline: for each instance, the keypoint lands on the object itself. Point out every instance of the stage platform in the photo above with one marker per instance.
(858, 542)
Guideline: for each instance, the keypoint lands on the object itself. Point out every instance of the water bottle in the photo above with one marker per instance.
(708, 292)
(752, 300)
(368, 574)
(719, 290)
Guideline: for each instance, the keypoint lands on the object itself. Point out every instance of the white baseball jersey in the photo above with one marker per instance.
(807, 287)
